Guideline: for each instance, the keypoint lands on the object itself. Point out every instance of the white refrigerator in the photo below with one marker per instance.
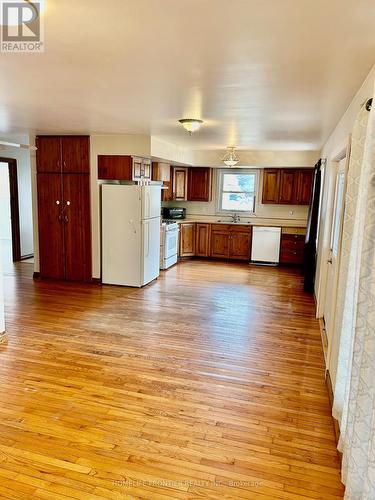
(130, 234)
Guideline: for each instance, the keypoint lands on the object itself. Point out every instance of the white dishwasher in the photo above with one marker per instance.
(266, 245)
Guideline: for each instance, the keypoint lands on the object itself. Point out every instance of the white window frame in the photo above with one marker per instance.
(220, 181)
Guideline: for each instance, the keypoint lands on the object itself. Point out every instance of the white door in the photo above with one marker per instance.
(334, 256)
(151, 202)
(151, 250)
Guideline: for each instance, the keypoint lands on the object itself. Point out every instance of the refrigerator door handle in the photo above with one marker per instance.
(131, 222)
(147, 235)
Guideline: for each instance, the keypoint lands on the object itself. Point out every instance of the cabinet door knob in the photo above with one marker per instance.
(68, 203)
(57, 202)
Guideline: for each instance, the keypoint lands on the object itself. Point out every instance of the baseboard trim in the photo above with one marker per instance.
(96, 281)
(28, 256)
(330, 395)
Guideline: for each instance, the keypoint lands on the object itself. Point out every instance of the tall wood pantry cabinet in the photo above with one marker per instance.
(63, 184)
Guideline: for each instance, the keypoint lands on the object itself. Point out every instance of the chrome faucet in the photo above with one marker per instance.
(236, 218)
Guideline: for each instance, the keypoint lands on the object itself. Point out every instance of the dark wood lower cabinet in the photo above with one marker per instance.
(230, 242)
(64, 226)
(240, 243)
(187, 239)
(50, 226)
(219, 242)
(233, 242)
(292, 248)
(77, 231)
(202, 240)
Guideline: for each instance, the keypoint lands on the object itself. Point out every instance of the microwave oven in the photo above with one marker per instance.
(174, 213)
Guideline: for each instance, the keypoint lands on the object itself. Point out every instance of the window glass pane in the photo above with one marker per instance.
(239, 182)
(238, 201)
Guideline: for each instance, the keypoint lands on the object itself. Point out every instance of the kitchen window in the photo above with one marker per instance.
(237, 190)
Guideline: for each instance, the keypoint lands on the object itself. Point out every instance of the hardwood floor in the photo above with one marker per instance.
(207, 384)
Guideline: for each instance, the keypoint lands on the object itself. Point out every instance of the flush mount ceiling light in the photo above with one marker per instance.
(231, 159)
(191, 124)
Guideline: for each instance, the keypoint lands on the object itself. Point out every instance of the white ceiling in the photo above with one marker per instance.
(263, 74)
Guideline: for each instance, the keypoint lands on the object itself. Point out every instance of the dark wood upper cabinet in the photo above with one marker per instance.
(271, 185)
(63, 154)
(180, 183)
(115, 167)
(288, 186)
(167, 192)
(163, 172)
(48, 154)
(75, 154)
(50, 226)
(305, 185)
(123, 168)
(199, 184)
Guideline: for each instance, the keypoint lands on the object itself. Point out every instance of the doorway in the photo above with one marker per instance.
(333, 261)
(10, 239)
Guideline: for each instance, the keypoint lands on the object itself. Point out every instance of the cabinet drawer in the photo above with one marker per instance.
(240, 229)
(291, 256)
(296, 245)
(293, 230)
(293, 237)
(221, 227)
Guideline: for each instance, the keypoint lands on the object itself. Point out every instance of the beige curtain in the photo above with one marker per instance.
(354, 403)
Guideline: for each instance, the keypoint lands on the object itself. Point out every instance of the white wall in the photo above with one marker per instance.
(25, 202)
(337, 142)
(5, 220)
(34, 202)
(2, 318)
(170, 152)
(252, 158)
(24, 194)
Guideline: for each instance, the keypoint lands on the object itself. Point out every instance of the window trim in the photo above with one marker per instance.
(220, 182)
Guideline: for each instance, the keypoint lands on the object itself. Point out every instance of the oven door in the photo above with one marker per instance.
(171, 243)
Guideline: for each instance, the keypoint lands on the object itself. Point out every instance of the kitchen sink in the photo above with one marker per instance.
(220, 221)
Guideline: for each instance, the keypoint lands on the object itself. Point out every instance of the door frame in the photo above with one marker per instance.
(327, 202)
(14, 207)
(329, 329)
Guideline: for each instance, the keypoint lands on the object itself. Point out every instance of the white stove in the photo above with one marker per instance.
(168, 243)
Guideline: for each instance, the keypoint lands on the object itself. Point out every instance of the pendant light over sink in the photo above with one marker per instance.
(231, 159)
(191, 124)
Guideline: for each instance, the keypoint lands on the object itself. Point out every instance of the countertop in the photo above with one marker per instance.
(255, 221)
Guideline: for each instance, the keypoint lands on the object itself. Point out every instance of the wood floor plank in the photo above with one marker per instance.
(209, 383)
